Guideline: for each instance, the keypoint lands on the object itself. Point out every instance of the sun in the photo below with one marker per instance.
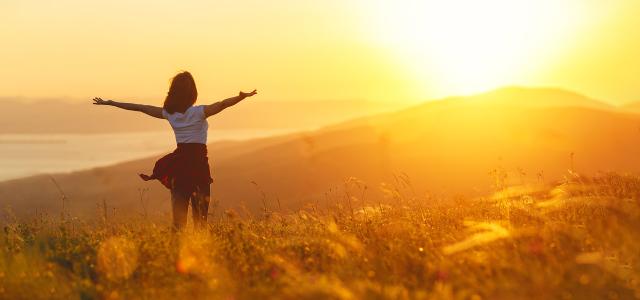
(465, 46)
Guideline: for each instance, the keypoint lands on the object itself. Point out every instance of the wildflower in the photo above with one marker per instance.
(536, 246)
(442, 275)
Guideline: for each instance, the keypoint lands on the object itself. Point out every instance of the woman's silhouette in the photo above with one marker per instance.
(185, 171)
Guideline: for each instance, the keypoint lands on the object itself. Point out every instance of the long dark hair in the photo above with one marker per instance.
(182, 93)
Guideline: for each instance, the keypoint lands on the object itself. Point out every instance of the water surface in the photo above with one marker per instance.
(29, 154)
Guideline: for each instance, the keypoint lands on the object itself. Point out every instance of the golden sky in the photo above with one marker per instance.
(402, 50)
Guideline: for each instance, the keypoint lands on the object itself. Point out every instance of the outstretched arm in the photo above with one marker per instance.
(151, 110)
(217, 107)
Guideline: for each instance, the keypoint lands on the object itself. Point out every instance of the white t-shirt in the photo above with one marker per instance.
(190, 126)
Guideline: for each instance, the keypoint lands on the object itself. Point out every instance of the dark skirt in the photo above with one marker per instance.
(185, 170)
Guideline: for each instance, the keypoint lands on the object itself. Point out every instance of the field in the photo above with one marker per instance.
(573, 239)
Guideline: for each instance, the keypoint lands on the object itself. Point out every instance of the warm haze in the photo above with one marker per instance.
(380, 149)
(381, 50)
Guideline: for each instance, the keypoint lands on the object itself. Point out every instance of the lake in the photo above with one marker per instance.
(24, 155)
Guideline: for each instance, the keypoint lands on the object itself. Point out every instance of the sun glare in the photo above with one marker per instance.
(463, 46)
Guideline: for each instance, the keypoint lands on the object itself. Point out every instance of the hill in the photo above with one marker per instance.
(633, 107)
(538, 97)
(71, 117)
(455, 146)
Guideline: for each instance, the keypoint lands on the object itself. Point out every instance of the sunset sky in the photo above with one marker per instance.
(384, 50)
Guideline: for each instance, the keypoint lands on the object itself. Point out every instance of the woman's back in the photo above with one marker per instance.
(185, 171)
(190, 126)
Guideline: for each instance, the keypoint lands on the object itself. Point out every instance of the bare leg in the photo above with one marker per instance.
(200, 209)
(179, 205)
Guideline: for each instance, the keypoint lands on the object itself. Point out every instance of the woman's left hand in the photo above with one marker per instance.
(245, 95)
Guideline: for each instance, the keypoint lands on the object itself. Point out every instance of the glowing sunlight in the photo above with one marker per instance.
(467, 46)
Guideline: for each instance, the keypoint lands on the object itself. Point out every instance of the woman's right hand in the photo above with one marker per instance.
(99, 101)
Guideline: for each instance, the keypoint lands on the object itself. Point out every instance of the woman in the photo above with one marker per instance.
(185, 171)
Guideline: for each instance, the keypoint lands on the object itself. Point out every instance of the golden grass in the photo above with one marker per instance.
(578, 239)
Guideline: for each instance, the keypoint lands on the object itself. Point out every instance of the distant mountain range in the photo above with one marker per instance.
(454, 146)
(56, 116)
(633, 107)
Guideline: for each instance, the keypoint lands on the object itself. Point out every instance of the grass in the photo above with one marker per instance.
(576, 239)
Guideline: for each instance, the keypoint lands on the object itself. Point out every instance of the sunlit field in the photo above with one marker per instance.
(574, 239)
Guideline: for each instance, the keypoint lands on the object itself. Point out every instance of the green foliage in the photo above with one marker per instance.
(574, 240)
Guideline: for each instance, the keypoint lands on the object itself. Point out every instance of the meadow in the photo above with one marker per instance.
(572, 239)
